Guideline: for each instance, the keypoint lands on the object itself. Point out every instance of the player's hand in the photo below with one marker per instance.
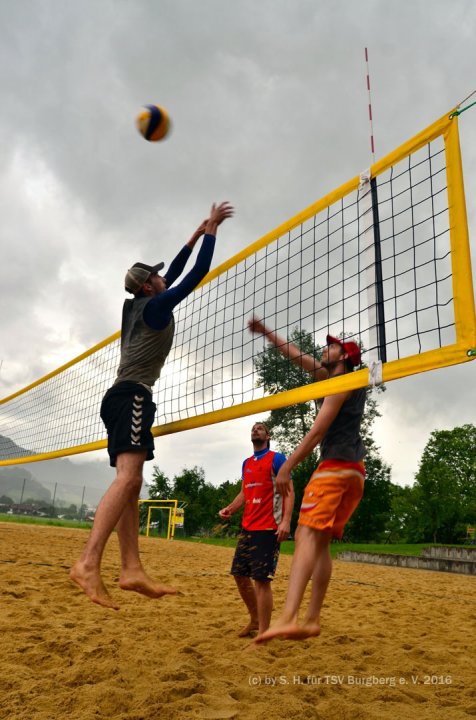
(283, 482)
(283, 531)
(256, 325)
(218, 213)
(225, 513)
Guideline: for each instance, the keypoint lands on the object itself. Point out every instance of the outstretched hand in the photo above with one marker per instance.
(218, 213)
(257, 326)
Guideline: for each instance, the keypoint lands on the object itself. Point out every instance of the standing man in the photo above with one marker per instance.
(335, 488)
(128, 411)
(266, 523)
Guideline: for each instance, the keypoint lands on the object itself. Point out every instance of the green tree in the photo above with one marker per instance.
(445, 486)
(402, 510)
(160, 487)
(369, 521)
(189, 487)
(189, 483)
(226, 492)
(289, 425)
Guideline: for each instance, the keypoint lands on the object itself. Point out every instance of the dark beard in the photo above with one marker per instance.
(260, 443)
(329, 365)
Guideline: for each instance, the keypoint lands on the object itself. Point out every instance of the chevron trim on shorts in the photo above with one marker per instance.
(136, 426)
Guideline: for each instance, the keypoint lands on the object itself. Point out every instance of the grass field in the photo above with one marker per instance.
(287, 547)
(54, 522)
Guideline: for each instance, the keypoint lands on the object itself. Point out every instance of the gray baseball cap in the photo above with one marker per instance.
(138, 274)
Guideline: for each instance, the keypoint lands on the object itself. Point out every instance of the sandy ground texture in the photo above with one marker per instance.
(395, 643)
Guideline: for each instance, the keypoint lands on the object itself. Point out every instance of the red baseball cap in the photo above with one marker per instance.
(349, 346)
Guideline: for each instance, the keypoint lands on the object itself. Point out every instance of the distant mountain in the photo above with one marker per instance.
(18, 484)
(9, 449)
(61, 479)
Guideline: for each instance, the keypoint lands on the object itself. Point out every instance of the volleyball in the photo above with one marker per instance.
(153, 123)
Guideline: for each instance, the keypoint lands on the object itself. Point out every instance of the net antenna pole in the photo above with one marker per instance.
(372, 146)
(372, 248)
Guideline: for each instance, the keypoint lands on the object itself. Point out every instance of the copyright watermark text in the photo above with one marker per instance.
(258, 680)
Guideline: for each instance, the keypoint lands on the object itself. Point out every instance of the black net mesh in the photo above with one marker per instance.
(391, 291)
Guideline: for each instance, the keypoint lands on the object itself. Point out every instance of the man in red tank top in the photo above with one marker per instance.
(266, 523)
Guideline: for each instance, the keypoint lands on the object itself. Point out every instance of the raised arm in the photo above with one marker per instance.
(208, 226)
(178, 263)
(158, 310)
(325, 417)
(201, 230)
(289, 350)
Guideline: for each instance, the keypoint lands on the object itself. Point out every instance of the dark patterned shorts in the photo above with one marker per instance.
(256, 554)
(128, 412)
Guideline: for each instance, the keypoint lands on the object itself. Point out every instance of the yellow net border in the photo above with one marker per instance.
(462, 350)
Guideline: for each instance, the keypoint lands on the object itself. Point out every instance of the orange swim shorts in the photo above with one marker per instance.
(331, 495)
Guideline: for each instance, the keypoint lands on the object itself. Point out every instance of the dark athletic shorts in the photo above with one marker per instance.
(128, 412)
(256, 554)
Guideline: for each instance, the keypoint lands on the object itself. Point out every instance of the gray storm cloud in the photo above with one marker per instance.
(269, 110)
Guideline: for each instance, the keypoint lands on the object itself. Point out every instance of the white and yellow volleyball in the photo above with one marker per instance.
(153, 123)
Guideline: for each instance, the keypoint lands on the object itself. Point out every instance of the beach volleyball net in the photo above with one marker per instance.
(384, 259)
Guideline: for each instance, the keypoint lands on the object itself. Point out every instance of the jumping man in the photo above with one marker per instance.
(335, 488)
(128, 411)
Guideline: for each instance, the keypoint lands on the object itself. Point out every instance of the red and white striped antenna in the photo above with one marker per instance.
(372, 146)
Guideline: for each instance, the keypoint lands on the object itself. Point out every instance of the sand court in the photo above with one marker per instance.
(395, 643)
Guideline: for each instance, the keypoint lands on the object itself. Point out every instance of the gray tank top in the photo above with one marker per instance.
(342, 441)
(143, 350)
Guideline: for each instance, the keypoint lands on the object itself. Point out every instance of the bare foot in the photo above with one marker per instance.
(289, 631)
(249, 629)
(91, 583)
(138, 581)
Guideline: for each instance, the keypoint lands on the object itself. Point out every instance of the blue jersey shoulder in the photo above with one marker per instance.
(278, 460)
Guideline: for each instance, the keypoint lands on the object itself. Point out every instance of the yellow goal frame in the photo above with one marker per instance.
(171, 506)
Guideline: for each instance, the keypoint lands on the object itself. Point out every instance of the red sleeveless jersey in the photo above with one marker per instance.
(263, 504)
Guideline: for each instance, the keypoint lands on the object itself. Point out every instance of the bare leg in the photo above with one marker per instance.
(133, 575)
(248, 595)
(264, 600)
(87, 571)
(321, 576)
(308, 546)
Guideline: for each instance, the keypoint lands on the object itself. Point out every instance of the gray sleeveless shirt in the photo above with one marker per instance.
(143, 350)
(342, 441)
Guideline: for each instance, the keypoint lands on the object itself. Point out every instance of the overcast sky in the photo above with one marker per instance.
(268, 101)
